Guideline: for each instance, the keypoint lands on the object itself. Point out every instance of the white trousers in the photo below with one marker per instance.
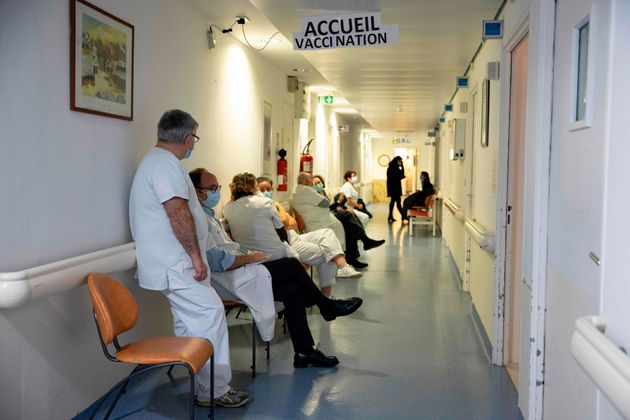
(318, 248)
(363, 218)
(250, 284)
(198, 312)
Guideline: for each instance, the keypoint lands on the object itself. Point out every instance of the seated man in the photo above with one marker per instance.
(319, 248)
(315, 211)
(235, 275)
(255, 224)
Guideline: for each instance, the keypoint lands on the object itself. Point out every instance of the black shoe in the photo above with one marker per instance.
(357, 264)
(316, 358)
(371, 243)
(342, 307)
(390, 220)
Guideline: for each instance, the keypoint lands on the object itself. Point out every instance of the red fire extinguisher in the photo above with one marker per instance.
(306, 160)
(281, 169)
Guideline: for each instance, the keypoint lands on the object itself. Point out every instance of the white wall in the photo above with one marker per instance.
(66, 175)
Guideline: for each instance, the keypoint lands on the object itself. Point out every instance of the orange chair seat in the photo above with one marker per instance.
(191, 350)
(229, 304)
(418, 212)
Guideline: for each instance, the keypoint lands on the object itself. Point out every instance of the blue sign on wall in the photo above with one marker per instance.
(448, 108)
(492, 29)
(442, 119)
(461, 82)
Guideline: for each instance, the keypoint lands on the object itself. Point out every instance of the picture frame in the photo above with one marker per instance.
(485, 112)
(267, 139)
(101, 62)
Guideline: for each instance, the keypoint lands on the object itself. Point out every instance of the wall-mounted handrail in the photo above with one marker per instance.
(483, 237)
(19, 287)
(606, 364)
(456, 210)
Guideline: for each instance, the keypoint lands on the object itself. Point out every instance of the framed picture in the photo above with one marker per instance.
(267, 140)
(101, 62)
(485, 112)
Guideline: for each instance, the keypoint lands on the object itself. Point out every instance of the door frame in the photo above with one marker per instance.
(540, 23)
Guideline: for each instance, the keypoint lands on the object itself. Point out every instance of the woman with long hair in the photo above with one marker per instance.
(395, 174)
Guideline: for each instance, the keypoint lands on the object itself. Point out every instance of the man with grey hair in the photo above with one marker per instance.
(171, 233)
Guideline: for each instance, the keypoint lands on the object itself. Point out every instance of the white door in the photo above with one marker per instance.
(576, 198)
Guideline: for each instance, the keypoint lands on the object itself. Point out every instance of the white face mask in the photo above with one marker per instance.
(355, 179)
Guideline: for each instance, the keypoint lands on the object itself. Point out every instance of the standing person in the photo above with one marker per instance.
(170, 231)
(419, 197)
(395, 174)
(353, 201)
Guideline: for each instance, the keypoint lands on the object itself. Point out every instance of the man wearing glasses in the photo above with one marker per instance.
(171, 233)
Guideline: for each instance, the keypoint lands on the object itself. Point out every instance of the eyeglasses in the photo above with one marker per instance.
(197, 138)
(211, 189)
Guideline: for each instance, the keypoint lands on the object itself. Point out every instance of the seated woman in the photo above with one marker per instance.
(419, 197)
(255, 224)
(319, 248)
(314, 209)
(235, 275)
(354, 203)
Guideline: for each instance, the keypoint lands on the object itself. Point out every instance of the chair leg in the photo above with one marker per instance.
(253, 349)
(111, 407)
(211, 415)
(267, 349)
(170, 370)
(191, 392)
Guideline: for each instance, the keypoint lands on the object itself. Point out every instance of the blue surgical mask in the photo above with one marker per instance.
(355, 179)
(268, 194)
(212, 200)
(318, 187)
(188, 153)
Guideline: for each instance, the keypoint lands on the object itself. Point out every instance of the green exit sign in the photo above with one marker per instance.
(326, 99)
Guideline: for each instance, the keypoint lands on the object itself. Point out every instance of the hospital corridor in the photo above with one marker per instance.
(326, 209)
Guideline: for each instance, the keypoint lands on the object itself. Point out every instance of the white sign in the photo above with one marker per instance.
(345, 30)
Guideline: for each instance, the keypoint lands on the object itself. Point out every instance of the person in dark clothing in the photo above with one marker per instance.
(354, 231)
(419, 197)
(395, 174)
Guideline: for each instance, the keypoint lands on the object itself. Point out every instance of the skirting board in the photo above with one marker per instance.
(482, 332)
(460, 281)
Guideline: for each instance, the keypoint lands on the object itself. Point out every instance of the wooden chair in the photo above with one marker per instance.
(422, 215)
(115, 312)
(229, 305)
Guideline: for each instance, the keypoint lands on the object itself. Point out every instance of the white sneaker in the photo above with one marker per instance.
(348, 272)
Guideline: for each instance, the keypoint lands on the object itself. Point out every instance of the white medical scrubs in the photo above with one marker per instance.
(164, 265)
(316, 215)
(348, 190)
(250, 284)
(318, 248)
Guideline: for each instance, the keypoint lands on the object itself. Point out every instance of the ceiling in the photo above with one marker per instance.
(399, 87)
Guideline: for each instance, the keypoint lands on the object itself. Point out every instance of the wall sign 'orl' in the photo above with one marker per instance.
(344, 30)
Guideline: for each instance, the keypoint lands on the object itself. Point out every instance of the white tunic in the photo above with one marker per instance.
(253, 222)
(306, 201)
(250, 284)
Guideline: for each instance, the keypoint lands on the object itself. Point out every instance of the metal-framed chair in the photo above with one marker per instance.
(229, 305)
(422, 215)
(115, 312)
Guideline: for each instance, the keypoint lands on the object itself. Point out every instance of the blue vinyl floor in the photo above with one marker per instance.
(410, 352)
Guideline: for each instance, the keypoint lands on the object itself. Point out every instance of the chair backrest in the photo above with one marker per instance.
(299, 220)
(429, 201)
(115, 307)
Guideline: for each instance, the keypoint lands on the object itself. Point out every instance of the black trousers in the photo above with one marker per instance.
(398, 206)
(295, 289)
(354, 232)
(415, 199)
